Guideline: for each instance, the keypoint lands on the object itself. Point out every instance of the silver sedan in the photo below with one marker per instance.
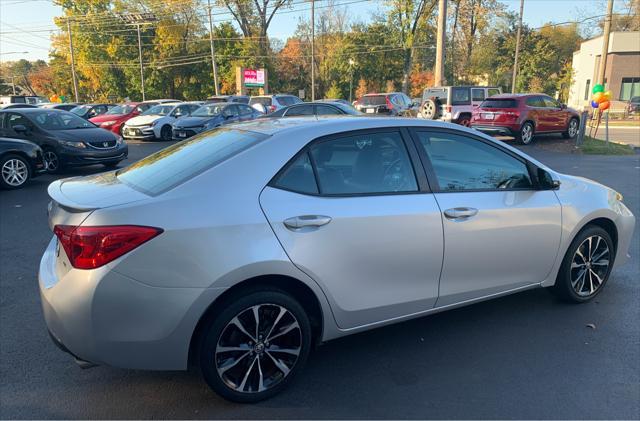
(240, 249)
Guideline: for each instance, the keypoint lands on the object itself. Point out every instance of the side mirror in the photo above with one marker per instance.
(546, 182)
(20, 128)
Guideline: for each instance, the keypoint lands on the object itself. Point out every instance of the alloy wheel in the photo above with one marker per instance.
(527, 134)
(258, 348)
(590, 265)
(51, 161)
(573, 128)
(15, 172)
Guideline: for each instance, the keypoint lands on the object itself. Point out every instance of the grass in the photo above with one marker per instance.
(593, 146)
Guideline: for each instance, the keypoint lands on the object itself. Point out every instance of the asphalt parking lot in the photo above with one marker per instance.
(523, 356)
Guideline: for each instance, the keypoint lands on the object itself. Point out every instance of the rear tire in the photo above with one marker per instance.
(246, 363)
(14, 172)
(526, 133)
(464, 120)
(586, 266)
(52, 161)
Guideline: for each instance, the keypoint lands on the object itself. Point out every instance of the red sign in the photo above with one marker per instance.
(254, 78)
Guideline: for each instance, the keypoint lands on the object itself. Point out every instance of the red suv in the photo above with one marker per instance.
(523, 115)
(115, 118)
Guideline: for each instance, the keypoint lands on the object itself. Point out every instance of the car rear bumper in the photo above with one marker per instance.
(82, 157)
(103, 317)
(495, 130)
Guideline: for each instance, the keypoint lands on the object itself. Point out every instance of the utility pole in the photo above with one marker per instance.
(73, 63)
(440, 40)
(13, 84)
(313, 60)
(352, 63)
(214, 66)
(605, 43)
(515, 59)
(141, 64)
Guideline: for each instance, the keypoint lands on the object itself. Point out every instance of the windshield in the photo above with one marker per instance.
(159, 110)
(208, 110)
(59, 120)
(80, 109)
(180, 162)
(121, 109)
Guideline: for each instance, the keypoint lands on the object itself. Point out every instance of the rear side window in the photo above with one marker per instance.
(499, 103)
(298, 176)
(460, 96)
(178, 163)
(299, 111)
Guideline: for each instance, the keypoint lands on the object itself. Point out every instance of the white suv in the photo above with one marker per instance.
(454, 103)
(270, 103)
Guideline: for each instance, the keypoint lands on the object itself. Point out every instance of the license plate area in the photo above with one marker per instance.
(488, 116)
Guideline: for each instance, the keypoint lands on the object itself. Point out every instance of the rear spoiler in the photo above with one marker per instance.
(55, 192)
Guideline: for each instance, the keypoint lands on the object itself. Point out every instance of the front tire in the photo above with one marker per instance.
(572, 129)
(525, 135)
(165, 133)
(586, 266)
(255, 346)
(14, 172)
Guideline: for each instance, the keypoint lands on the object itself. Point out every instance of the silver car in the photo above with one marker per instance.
(240, 249)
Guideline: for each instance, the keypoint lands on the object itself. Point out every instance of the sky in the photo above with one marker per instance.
(20, 19)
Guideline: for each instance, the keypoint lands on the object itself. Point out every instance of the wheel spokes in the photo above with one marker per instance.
(237, 323)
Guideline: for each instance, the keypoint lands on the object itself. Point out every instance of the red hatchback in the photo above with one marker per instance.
(115, 118)
(524, 115)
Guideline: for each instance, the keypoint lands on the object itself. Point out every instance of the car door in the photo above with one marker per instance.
(556, 115)
(477, 96)
(366, 230)
(230, 114)
(246, 112)
(501, 233)
(536, 111)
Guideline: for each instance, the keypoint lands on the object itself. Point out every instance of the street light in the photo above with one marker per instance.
(352, 63)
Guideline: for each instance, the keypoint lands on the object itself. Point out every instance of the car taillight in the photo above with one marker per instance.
(389, 104)
(512, 114)
(92, 247)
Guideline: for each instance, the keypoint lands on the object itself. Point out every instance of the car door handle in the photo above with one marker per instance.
(302, 221)
(460, 214)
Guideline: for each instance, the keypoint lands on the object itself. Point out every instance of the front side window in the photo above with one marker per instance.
(493, 91)
(363, 164)
(550, 102)
(245, 109)
(461, 163)
(230, 111)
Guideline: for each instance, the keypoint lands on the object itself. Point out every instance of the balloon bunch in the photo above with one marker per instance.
(600, 98)
(57, 99)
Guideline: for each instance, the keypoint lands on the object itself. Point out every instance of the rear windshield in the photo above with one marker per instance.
(264, 100)
(373, 100)
(499, 103)
(287, 100)
(441, 93)
(180, 162)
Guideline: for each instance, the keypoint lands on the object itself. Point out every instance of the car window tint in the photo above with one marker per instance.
(462, 163)
(230, 111)
(326, 110)
(182, 161)
(364, 164)
(477, 94)
(493, 91)
(535, 101)
(245, 109)
(298, 176)
(299, 110)
(16, 119)
(550, 102)
(460, 96)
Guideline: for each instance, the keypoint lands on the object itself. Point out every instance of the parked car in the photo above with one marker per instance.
(270, 103)
(16, 105)
(88, 111)
(314, 108)
(341, 101)
(392, 103)
(66, 106)
(241, 99)
(66, 139)
(633, 106)
(525, 115)
(155, 123)
(115, 118)
(21, 99)
(241, 248)
(20, 161)
(454, 104)
(210, 116)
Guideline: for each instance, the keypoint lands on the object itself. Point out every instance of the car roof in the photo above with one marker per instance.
(513, 96)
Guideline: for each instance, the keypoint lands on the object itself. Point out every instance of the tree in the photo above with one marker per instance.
(362, 88)
(333, 92)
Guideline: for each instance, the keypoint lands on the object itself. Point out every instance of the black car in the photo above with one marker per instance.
(20, 160)
(315, 108)
(88, 111)
(212, 115)
(65, 138)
